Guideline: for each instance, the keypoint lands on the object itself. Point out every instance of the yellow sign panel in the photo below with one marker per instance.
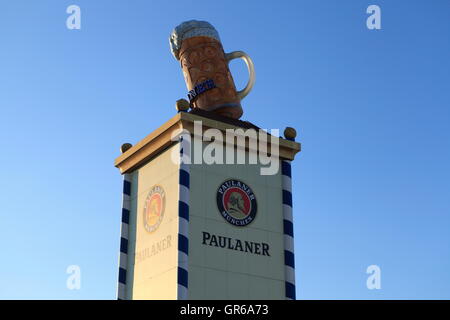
(155, 252)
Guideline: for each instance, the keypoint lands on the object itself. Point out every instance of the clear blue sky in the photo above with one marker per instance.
(371, 107)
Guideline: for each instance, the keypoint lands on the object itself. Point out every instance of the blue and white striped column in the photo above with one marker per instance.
(124, 230)
(183, 214)
(288, 227)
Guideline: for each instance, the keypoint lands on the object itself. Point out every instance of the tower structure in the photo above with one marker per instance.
(207, 201)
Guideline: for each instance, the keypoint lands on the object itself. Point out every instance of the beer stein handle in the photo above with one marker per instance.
(251, 70)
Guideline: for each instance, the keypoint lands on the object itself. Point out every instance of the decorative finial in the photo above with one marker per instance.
(182, 105)
(290, 133)
(125, 147)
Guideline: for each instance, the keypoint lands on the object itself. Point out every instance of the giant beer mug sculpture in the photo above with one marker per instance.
(196, 44)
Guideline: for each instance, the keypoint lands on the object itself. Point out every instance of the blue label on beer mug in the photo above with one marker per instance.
(200, 88)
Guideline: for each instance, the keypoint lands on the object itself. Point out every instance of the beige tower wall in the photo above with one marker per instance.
(222, 273)
(152, 268)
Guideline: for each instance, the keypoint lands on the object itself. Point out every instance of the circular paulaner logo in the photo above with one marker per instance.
(154, 206)
(236, 202)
